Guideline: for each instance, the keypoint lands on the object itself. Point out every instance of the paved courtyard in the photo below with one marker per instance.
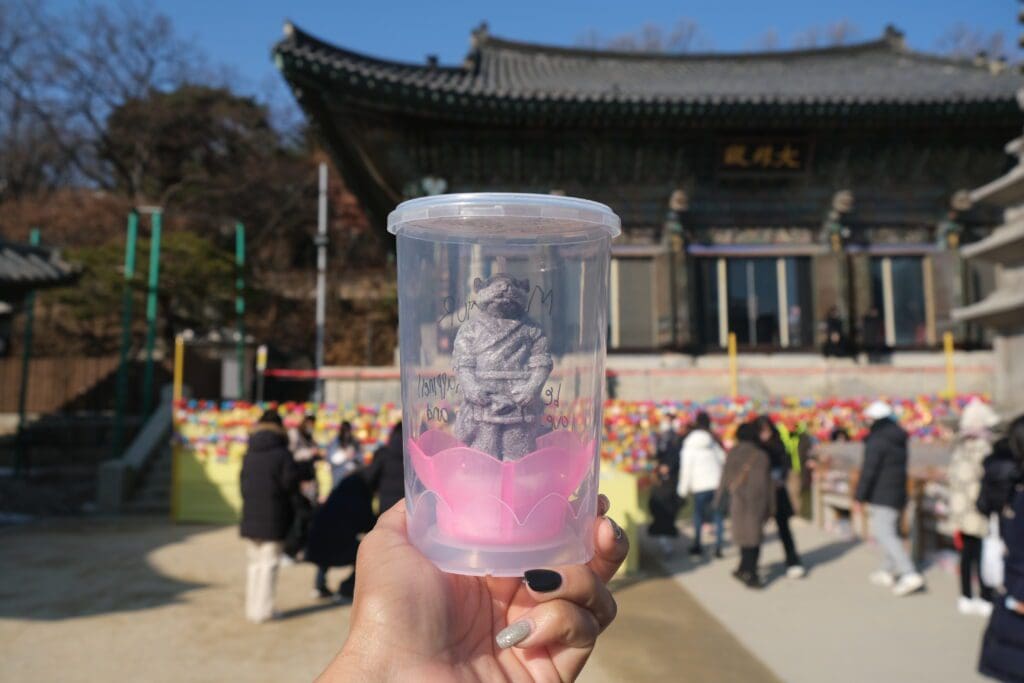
(141, 599)
(833, 625)
(136, 599)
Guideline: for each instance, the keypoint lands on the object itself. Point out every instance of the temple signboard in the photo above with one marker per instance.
(781, 156)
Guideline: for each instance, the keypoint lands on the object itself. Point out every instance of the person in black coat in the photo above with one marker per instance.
(778, 458)
(664, 500)
(386, 474)
(835, 337)
(334, 534)
(269, 479)
(1002, 473)
(1002, 649)
(883, 487)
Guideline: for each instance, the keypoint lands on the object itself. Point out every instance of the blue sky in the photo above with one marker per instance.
(239, 33)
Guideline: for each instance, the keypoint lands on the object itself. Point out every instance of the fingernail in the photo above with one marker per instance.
(616, 529)
(514, 633)
(542, 580)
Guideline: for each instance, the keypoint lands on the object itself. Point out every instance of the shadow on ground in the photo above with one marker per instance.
(662, 633)
(63, 569)
(812, 559)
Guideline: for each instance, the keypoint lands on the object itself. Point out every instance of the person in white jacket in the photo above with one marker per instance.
(699, 474)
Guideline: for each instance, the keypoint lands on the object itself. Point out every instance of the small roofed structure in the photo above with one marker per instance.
(24, 268)
(1003, 309)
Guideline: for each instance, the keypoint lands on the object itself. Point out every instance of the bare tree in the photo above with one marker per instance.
(839, 32)
(684, 36)
(961, 40)
(769, 41)
(31, 156)
(65, 74)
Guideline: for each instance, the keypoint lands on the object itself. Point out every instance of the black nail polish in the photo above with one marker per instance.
(542, 580)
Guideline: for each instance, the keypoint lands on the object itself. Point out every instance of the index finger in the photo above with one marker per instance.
(610, 548)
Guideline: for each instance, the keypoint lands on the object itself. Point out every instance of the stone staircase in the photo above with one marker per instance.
(152, 495)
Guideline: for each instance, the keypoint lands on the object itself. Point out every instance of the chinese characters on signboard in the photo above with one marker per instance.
(763, 156)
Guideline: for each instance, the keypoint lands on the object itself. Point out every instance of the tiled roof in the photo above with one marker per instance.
(24, 267)
(880, 73)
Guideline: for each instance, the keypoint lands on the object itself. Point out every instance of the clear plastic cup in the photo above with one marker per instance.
(502, 302)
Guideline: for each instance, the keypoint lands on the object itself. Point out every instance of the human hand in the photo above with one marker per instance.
(413, 622)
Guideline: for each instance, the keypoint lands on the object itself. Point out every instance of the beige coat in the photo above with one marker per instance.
(965, 473)
(747, 483)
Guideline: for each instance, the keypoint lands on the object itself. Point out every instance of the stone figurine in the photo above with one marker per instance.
(502, 361)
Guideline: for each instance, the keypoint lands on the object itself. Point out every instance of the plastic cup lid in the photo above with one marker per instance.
(505, 213)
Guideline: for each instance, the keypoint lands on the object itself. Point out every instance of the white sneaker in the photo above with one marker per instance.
(908, 583)
(965, 605)
(797, 571)
(882, 578)
(983, 608)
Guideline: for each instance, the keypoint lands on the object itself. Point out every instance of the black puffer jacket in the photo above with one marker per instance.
(883, 478)
(386, 474)
(1002, 650)
(269, 479)
(1002, 474)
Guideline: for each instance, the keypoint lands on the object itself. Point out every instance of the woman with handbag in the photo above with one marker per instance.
(973, 445)
(747, 483)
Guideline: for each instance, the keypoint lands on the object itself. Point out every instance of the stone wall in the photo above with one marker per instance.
(678, 376)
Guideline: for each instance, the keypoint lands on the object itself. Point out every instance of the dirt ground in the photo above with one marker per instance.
(141, 599)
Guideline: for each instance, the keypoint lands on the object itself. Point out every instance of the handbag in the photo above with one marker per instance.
(993, 555)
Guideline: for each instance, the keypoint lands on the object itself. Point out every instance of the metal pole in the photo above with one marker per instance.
(26, 357)
(947, 346)
(126, 333)
(734, 384)
(261, 369)
(151, 290)
(240, 306)
(321, 280)
(179, 366)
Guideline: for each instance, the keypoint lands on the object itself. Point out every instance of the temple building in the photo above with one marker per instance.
(761, 194)
(1003, 309)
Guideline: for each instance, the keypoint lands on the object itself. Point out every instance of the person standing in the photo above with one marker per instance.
(269, 479)
(700, 472)
(306, 453)
(779, 462)
(343, 454)
(664, 500)
(1002, 648)
(747, 484)
(336, 523)
(835, 338)
(334, 534)
(873, 334)
(386, 474)
(883, 488)
(966, 469)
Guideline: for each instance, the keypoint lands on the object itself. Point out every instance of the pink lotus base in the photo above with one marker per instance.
(483, 500)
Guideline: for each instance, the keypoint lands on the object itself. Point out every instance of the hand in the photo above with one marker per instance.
(857, 508)
(413, 622)
(663, 470)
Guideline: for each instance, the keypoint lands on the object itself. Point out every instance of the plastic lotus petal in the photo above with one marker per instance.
(480, 499)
